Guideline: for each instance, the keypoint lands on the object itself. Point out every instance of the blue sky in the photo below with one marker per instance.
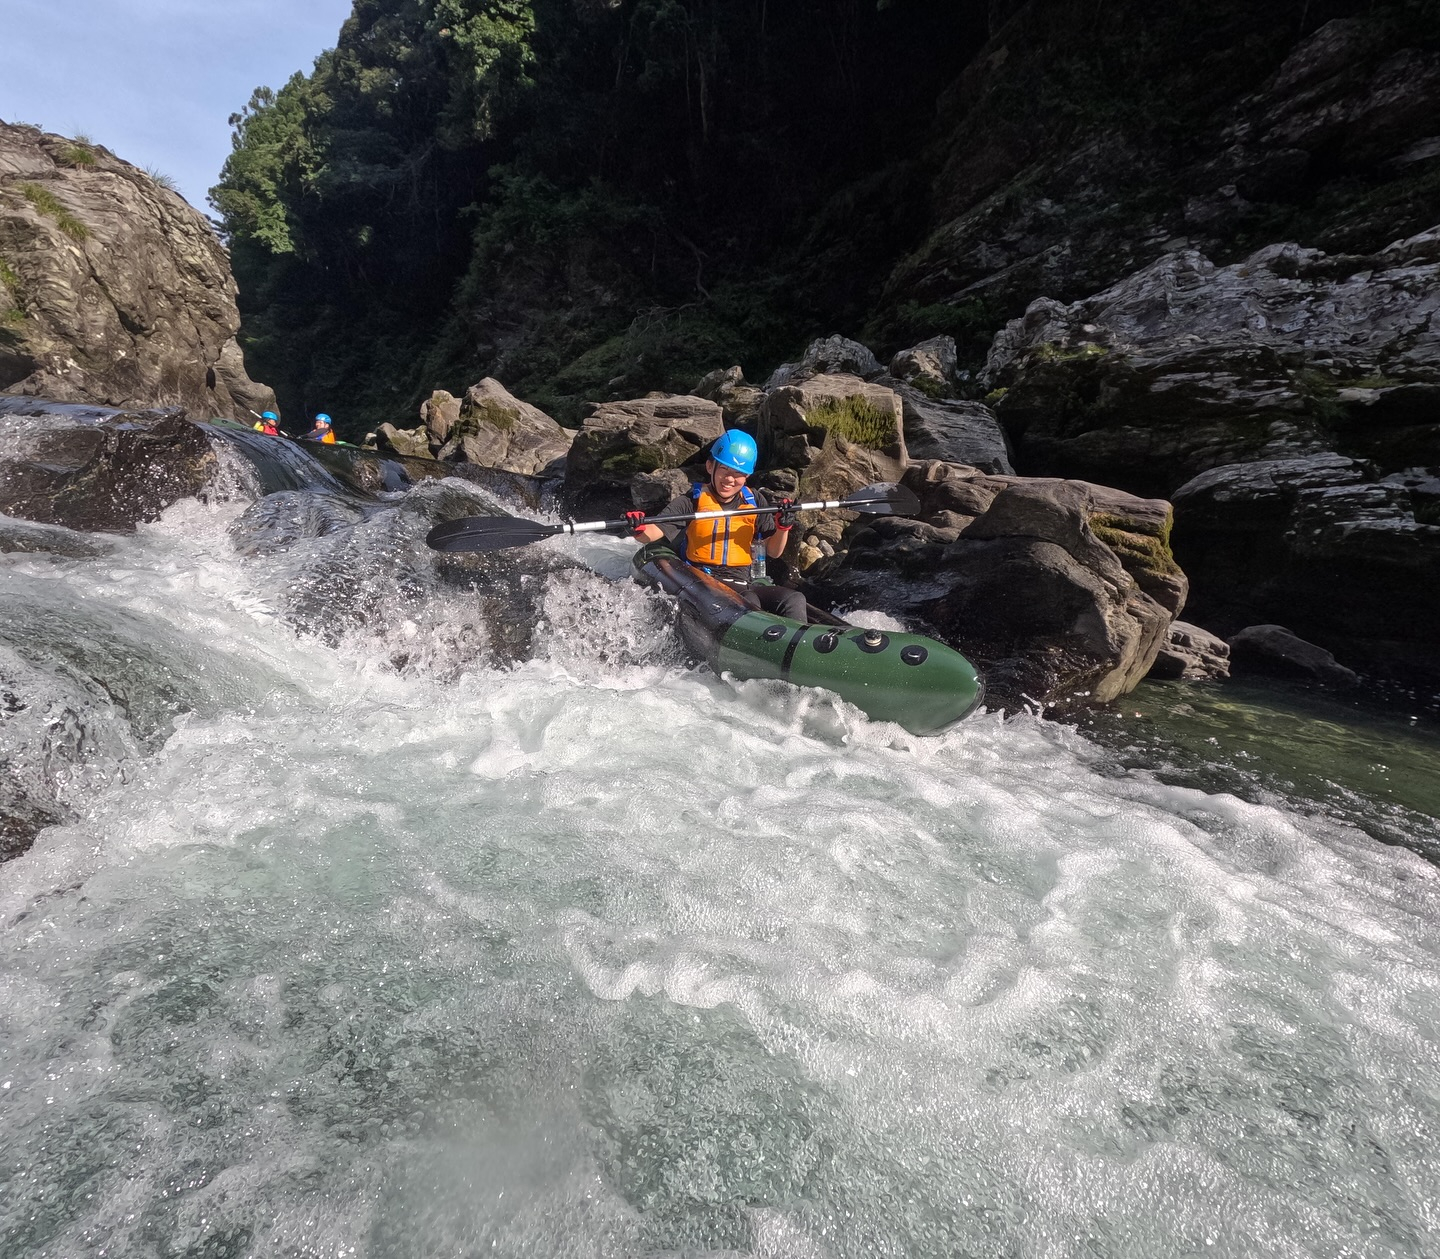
(154, 81)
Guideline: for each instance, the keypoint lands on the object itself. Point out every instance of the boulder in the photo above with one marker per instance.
(97, 469)
(618, 440)
(439, 413)
(652, 491)
(1191, 654)
(930, 367)
(1062, 591)
(739, 401)
(1274, 650)
(113, 291)
(838, 433)
(1187, 366)
(411, 443)
(951, 430)
(832, 355)
(495, 429)
(1349, 560)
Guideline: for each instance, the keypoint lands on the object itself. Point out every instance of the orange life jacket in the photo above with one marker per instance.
(726, 541)
(329, 438)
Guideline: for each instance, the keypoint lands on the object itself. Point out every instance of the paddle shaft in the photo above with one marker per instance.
(605, 526)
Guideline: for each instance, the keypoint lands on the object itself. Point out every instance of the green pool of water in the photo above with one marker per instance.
(1378, 768)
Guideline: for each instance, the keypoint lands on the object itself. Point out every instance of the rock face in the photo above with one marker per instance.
(1035, 200)
(1274, 650)
(113, 290)
(952, 430)
(1187, 366)
(94, 468)
(620, 439)
(1349, 559)
(738, 400)
(1192, 654)
(829, 356)
(1063, 592)
(930, 367)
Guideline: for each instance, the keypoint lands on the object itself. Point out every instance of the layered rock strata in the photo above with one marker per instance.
(113, 290)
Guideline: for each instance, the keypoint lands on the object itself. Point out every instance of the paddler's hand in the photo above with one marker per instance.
(636, 521)
(786, 518)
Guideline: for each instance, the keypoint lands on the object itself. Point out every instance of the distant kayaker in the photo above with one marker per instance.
(269, 424)
(726, 547)
(322, 432)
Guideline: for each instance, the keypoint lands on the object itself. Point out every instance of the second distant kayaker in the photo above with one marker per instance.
(726, 547)
(322, 432)
(269, 424)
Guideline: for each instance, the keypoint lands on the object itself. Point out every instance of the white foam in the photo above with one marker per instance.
(600, 955)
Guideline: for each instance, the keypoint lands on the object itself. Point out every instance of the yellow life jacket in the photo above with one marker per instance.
(725, 541)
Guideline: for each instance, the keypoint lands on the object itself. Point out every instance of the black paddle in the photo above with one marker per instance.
(499, 533)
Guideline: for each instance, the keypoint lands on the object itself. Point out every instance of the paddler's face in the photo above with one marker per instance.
(727, 481)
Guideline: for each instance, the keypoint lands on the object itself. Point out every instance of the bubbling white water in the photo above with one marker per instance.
(597, 955)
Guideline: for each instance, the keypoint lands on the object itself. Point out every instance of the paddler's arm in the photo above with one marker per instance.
(654, 533)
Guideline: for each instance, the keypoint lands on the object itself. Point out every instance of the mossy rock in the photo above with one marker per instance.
(856, 419)
(1140, 549)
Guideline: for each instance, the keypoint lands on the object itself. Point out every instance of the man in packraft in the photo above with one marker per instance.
(727, 547)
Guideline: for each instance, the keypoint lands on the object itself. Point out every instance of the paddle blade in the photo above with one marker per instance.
(883, 499)
(487, 533)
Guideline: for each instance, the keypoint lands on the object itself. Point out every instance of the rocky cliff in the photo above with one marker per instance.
(113, 290)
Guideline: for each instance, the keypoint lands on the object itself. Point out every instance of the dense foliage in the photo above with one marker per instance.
(550, 189)
(591, 198)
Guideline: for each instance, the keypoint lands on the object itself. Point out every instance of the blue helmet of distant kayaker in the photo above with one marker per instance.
(735, 449)
(268, 415)
(322, 418)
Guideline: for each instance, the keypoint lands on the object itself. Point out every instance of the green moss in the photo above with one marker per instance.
(1376, 381)
(1049, 352)
(1319, 389)
(996, 395)
(8, 277)
(1137, 549)
(48, 204)
(856, 419)
(76, 155)
(630, 462)
(932, 389)
(493, 414)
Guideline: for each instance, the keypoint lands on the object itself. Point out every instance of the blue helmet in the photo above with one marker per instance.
(735, 449)
(268, 415)
(322, 418)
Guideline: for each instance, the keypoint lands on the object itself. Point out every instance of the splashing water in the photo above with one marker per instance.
(379, 947)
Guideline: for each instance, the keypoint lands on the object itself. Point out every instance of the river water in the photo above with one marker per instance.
(367, 941)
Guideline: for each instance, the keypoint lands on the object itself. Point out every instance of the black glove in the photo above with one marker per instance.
(636, 520)
(786, 517)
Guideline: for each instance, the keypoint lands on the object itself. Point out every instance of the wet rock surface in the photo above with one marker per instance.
(94, 468)
(114, 291)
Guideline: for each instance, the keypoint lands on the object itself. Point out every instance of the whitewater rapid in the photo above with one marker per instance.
(363, 946)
